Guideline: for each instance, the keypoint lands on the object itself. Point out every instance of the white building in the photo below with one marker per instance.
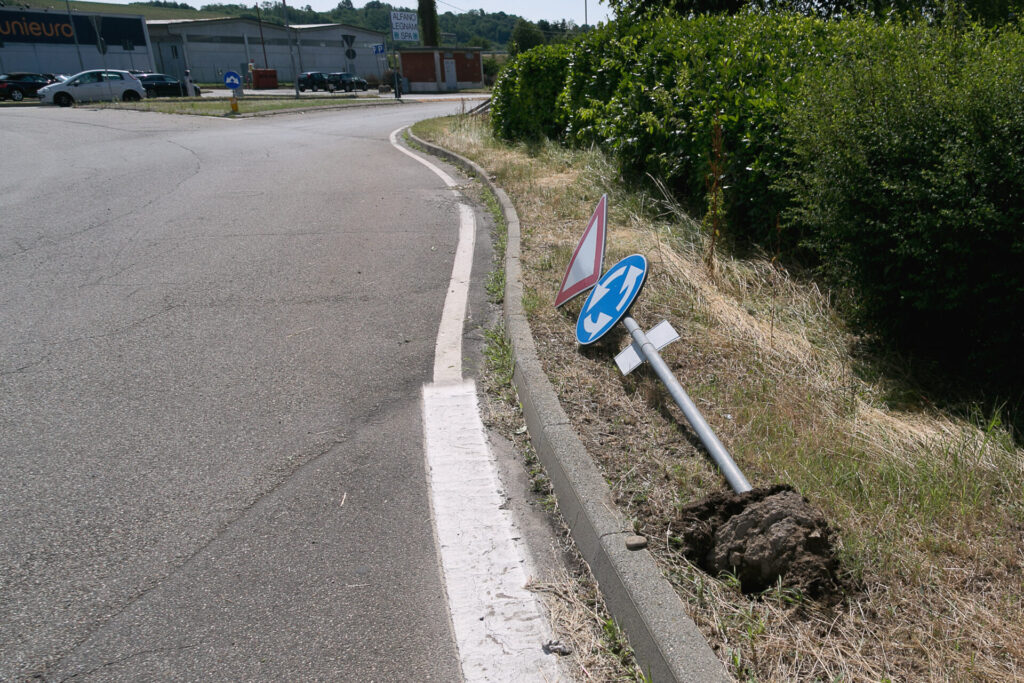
(210, 47)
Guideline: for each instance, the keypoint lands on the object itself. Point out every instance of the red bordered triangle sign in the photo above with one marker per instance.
(585, 265)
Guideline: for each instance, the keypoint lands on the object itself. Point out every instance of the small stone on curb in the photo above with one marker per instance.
(635, 542)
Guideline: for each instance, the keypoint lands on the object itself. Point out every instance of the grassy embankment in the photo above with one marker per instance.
(929, 507)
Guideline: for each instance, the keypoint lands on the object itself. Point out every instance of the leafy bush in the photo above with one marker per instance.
(891, 153)
(525, 93)
(907, 177)
(651, 94)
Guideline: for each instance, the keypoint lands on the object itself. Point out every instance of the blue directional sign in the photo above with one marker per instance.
(611, 298)
(232, 80)
(378, 49)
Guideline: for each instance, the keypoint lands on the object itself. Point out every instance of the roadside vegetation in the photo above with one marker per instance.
(832, 211)
(927, 503)
(881, 159)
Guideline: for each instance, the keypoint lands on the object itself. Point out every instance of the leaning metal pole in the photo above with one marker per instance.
(718, 453)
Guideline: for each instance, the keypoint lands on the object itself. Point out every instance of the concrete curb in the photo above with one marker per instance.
(667, 643)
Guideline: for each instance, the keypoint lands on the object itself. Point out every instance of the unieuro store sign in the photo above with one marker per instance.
(52, 27)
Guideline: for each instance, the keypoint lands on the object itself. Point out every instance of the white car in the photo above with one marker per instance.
(92, 86)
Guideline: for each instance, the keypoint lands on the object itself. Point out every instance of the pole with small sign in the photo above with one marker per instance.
(405, 26)
(233, 82)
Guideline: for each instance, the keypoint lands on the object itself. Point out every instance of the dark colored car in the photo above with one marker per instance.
(343, 80)
(18, 86)
(313, 80)
(162, 85)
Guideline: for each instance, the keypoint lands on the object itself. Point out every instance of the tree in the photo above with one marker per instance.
(524, 36)
(644, 7)
(430, 32)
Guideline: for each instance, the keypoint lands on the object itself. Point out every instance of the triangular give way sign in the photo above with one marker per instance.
(585, 265)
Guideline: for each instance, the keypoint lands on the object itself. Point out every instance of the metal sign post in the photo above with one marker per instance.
(608, 303)
(719, 454)
(405, 27)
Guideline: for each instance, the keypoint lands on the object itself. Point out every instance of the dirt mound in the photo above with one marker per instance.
(759, 537)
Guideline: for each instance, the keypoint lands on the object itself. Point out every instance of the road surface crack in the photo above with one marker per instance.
(132, 655)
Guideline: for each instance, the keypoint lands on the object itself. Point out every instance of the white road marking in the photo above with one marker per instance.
(433, 167)
(448, 349)
(500, 626)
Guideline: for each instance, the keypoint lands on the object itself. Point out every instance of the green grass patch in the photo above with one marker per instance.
(498, 355)
(430, 129)
(221, 106)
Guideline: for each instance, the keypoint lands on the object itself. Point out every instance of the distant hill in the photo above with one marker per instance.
(475, 27)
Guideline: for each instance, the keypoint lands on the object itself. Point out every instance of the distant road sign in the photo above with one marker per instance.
(405, 26)
(611, 298)
(378, 49)
(584, 268)
(232, 80)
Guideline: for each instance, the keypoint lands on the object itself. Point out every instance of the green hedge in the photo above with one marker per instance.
(682, 76)
(523, 103)
(889, 153)
(906, 175)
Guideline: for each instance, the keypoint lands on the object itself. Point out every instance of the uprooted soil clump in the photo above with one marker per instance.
(763, 537)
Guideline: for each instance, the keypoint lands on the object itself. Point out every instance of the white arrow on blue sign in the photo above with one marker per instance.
(232, 80)
(611, 298)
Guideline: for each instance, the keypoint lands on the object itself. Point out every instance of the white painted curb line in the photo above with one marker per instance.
(500, 626)
(667, 643)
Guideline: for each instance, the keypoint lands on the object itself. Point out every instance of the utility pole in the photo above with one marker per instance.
(291, 53)
(259, 19)
(74, 34)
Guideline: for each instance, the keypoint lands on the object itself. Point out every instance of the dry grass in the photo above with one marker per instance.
(929, 508)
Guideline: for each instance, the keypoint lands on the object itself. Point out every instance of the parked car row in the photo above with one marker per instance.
(332, 82)
(129, 86)
(90, 86)
(162, 85)
(93, 86)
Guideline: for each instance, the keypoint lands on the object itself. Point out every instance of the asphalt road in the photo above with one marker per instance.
(213, 335)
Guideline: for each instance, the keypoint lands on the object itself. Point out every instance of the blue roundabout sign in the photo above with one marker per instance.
(611, 298)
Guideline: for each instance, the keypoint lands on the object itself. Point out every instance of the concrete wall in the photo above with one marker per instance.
(442, 69)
